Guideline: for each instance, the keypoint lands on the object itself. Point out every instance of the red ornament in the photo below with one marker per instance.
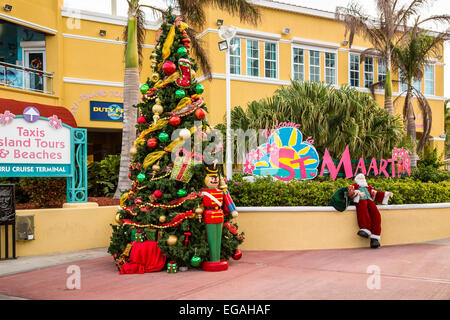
(141, 119)
(138, 201)
(169, 67)
(158, 193)
(200, 113)
(152, 143)
(186, 240)
(174, 121)
(237, 254)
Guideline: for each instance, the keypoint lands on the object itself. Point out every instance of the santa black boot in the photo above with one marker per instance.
(374, 243)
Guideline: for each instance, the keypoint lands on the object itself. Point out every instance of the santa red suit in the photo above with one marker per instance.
(369, 218)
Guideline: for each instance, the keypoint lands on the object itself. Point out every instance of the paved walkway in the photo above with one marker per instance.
(416, 271)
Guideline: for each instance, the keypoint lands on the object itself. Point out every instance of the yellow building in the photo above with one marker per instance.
(81, 66)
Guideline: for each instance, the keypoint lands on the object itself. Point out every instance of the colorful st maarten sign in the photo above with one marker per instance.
(35, 146)
(286, 156)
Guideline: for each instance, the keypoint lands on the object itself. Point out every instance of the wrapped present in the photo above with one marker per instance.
(137, 235)
(172, 267)
(183, 169)
(150, 234)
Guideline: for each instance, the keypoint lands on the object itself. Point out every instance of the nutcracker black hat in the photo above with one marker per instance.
(212, 170)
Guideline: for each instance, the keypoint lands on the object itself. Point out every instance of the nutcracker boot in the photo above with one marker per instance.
(185, 69)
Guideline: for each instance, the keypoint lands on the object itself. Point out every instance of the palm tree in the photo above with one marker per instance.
(192, 11)
(384, 32)
(411, 56)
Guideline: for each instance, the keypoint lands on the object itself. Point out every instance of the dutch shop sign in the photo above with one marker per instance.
(35, 146)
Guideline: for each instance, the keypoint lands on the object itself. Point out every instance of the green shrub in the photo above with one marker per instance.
(429, 168)
(265, 192)
(103, 176)
(45, 192)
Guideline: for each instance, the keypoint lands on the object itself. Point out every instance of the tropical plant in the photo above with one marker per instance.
(384, 32)
(411, 56)
(103, 176)
(333, 117)
(192, 11)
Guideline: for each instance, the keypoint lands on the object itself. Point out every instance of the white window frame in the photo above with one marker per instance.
(276, 57)
(425, 79)
(33, 47)
(230, 55)
(309, 65)
(350, 70)
(293, 63)
(401, 84)
(330, 68)
(383, 62)
(251, 58)
(372, 73)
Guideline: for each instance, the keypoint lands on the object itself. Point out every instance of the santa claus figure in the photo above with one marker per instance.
(369, 218)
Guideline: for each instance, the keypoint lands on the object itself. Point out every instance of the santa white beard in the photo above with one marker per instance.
(362, 183)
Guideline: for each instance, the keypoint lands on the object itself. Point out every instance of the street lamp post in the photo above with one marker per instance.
(227, 33)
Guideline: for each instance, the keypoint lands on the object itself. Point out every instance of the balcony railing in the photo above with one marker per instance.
(20, 77)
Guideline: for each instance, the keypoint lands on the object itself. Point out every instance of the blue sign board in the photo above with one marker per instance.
(106, 111)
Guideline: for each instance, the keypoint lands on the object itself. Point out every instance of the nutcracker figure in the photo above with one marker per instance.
(217, 203)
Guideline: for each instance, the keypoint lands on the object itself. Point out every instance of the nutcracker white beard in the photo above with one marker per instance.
(360, 179)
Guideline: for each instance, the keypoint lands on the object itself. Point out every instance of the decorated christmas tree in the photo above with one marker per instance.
(178, 212)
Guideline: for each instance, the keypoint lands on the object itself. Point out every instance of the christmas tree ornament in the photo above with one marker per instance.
(155, 77)
(196, 260)
(156, 167)
(117, 218)
(141, 177)
(157, 109)
(181, 193)
(237, 254)
(180, 94)
(174, 121)
(152, 143)
(138, 201)
(141, 119)
(169, 67)
(200, 113)
(185, 73)
(199, 89)
(163, 137)
(182, 51)
(133, 151)
(185, 134)
(172, 240)
(183, 169)
(162, 219)
(172, 267)
(144, 88)
(187, 234)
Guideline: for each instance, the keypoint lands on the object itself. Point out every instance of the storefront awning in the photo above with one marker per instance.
(17, 107)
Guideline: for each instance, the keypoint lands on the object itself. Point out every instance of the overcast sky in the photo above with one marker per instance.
(434, 7)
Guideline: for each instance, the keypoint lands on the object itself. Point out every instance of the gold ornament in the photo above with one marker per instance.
(117, 218)
(156, 167)
(155, 77)
(133, 151)
(199, 210)
(172, 240)
(157, 108)
(162, 219)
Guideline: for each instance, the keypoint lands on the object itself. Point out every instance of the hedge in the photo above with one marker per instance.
(265, 192)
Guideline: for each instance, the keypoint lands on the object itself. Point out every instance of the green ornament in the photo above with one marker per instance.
(163, 137)
(196, 261)
(141, 177)
(182, 51)
(180, 94)
(199, 88)
(144, 88)
(181, 193)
